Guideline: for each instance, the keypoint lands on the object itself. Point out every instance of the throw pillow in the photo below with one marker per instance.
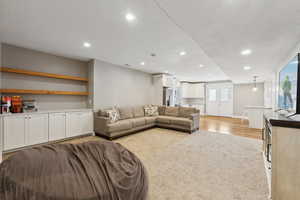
(151, 110)
(112, 114)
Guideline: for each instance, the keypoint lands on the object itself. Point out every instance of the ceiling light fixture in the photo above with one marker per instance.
(246, 52)
(182, 53)
(201, 65)
(130, 17)
(142, 63)
(254, 89)
(87, 45)
(247, 68)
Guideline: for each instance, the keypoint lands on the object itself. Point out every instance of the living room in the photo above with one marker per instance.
(144, 94)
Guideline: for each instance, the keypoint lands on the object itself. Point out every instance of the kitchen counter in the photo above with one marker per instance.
(46, 111)
(276, 119)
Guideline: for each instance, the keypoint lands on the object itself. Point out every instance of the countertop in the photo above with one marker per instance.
(47, 111)
(257, 107)
(276, 119)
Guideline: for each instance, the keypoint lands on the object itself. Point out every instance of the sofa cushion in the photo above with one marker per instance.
(181, 121)
(164, 119)
(150, 120)
(120, 126)
(138, 111)
(186, 111)
(161, 110)
(172, 111)
(141, 121)
(151, 110)
(126, 113)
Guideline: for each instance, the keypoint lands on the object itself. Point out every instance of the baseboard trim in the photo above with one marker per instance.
(239, 116)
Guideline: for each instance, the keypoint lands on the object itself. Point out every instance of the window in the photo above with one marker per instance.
(225, 94)
(212, 95)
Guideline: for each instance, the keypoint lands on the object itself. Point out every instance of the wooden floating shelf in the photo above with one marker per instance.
(19, 91)
(49, 75)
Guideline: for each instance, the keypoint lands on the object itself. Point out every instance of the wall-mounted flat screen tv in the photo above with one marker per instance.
(289, 79)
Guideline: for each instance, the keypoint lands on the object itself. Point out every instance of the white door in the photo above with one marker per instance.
(212, 103)
(219, 99)
(14, 132)
(74, 124)
(87, 122)
(57, 126)
(36, 129)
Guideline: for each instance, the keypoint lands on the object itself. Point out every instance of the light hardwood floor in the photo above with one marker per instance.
(231, 126)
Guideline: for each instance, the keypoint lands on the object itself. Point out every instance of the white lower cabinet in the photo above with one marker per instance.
(57, 126)
(14, 132)
(37, 129)
(73, 124)
(87, 122)
(20, 130)
(79, 123)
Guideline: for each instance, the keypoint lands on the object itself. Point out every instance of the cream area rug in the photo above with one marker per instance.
(201, 166)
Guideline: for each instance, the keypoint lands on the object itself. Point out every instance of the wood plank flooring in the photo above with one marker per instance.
(231, 126)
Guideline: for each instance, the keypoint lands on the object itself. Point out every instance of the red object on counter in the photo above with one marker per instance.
(5, 104)
(16, 104)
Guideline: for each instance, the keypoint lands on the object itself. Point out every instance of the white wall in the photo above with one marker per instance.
(244, 96)
(157, 96)
(119, 86)
(27, 59)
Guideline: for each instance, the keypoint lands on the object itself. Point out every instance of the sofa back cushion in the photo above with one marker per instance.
(172, 111)
(186, 111)
(161, 110)
(125, 113)
(138, 111)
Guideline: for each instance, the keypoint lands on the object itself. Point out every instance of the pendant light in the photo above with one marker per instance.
(254, 89)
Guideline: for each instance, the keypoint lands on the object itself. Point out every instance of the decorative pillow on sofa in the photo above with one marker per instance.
(151, 110)
(112, 114)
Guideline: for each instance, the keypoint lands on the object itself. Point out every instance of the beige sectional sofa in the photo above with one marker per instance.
(133, 119)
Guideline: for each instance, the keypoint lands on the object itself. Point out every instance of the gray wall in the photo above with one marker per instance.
(119, 86)
(244, 96)
(0, 66)
(22, 58)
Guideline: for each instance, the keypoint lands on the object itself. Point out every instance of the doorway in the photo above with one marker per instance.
(219, 99)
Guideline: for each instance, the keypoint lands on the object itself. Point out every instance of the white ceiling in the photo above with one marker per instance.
(223, 28)
(209, 31)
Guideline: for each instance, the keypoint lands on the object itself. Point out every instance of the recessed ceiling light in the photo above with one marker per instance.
(142, 63)
(201, 65)
(246, 52)
(86, 44)
(247, 68)
(130, 17)
(182, 53)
